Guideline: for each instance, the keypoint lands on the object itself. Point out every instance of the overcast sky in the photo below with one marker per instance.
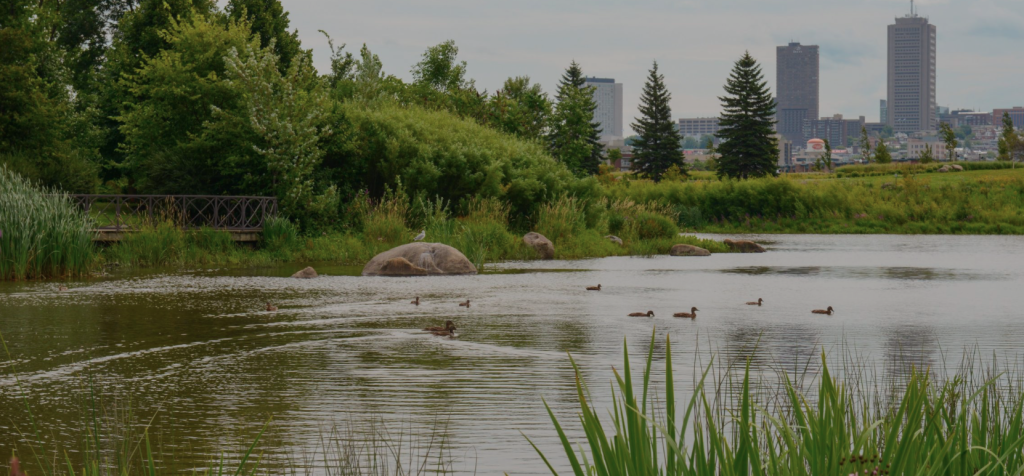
(980, 43)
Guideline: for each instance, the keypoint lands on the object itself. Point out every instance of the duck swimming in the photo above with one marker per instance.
(642, 314)
(692, 314)
(594, 288)
(62, 288)
(448, 326)
(464, 304)
(828, 311)
(416, 302)
(756, 303)
(271, 307)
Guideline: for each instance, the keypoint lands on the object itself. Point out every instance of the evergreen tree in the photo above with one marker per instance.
(268, 19)
(573, 137)
(1006, 138)
(658, 147)
(749, 148)
(882, 155)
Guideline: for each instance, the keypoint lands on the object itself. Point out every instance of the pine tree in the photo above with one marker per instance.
(1006, 138)
(658, 147)
(573, 137)
(749, 148)
(882, 155)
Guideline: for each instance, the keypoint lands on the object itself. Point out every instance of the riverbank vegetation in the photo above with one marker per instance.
(916, 422)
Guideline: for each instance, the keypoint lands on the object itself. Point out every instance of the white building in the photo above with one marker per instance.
(608, 96)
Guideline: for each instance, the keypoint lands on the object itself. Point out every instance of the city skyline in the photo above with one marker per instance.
(694, 43)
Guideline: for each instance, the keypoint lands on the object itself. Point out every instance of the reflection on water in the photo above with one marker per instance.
(198, 347)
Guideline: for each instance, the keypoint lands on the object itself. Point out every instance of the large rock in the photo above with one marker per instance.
(543, 246)
(944, 169)
(308, 273)
(957, 167)
(744, 246)
(614, 239)
(418, 259)
(688, 250)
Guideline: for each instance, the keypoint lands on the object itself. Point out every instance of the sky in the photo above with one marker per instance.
(980, 48)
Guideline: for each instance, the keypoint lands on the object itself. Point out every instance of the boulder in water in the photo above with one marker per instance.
(688, 250)
(543, 246)
(419, 259)
(744, 246)
(307, 273)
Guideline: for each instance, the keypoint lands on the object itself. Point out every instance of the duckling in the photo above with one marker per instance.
(828, 311)
(594, 288)
(464, 304)
(692, 314)
(62, 288)
(756, 303)
(417, 301)
(642, 314)
(271, 307)
(448, 326)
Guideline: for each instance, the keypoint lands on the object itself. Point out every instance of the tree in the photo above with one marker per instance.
(749, 147)
(1006, 138)
(948, 136)
(690, 143)
(572, 135)
(439, 70)
(520, 108)
(882, 155)
(268, 19)
(706, 139)
(927, 156)
(826, 158)
(865, 145)
(657, 148)
(614, 155)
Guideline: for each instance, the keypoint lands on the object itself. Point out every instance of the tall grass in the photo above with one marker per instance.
(44, 235)
(969, 423)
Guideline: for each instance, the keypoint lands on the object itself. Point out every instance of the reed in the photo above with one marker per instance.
(42, 233)
(968, 423)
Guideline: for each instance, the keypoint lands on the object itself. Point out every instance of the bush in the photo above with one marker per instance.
(650, 226)
(279, 234)
(44, 234)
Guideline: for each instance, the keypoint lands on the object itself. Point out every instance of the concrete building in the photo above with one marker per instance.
(1016, 115)
(883, 111)
(698, 126)
(911, 88)
(608, 96)
(835, 129)
(915, 147)
(796, 83)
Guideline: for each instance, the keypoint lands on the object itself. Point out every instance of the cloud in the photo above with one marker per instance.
(1001, 29)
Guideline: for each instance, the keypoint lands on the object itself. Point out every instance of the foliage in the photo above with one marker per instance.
(520, 109)
(658, 146)
(268, 19)
(42, 233)
(967, 424)
(749, 148)
(882, 155)
(948, 136)
(865, 145)
(573, 136)
(927, 156)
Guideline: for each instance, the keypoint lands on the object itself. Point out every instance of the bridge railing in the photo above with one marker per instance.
(128, 212)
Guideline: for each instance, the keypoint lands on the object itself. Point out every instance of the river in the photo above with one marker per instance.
(195, 352)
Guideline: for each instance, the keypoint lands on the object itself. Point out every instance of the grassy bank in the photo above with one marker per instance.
(970, 202)
(970, 423)
(42, 233)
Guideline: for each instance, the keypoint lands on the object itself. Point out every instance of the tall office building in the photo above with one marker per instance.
(911, 102)
(608, 96)
(883, 111)
(796, 84)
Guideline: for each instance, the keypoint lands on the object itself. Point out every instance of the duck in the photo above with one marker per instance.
(692, 314)
(62, 288)
(594, 288)
(755, 303)
(445, 333)
(464, 304)
(828, 311)
(642, 314)
(271, 307)
(416, 302)
(449, 326)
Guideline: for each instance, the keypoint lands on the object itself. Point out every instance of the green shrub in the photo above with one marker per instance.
(279, 234)
(561, 219)
(43, 233)
(651, 226)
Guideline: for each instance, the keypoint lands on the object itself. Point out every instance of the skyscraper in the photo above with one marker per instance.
(911, 102)
(608, 96)
(883, 112)
(796, 84)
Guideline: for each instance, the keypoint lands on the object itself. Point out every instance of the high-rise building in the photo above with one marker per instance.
(911, 101)
(1016, 115)
(698, 126)
(835, 129)
(796, 84)
(608, 96)
(883, 111)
